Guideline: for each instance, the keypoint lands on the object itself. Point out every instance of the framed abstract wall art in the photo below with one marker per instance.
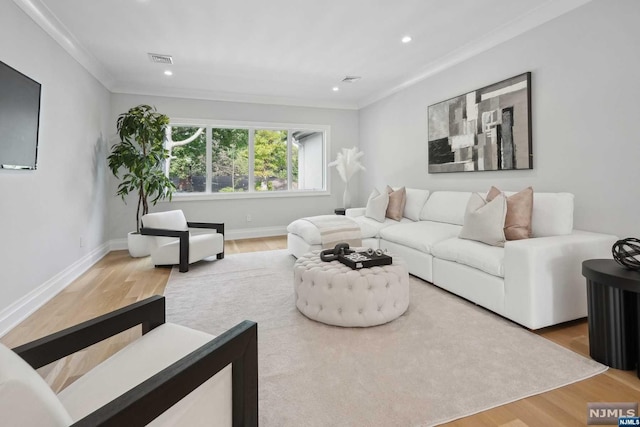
(488, 129)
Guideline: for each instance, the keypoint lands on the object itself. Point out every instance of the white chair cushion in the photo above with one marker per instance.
(415, 202)
(170, 220)
(200, 246)
(421, 235)
(371, 228)
(489, 259)
(210, 404)
(446, 206)
(25, 398)
(552, 213)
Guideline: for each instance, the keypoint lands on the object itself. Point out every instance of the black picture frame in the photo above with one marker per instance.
(487, 129)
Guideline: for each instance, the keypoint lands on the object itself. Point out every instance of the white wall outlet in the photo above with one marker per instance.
(248, 217)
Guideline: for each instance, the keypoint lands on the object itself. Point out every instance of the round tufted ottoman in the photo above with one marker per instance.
(332, 293)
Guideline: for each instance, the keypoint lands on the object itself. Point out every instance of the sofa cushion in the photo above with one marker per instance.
(552, 214)
(446, 206)
(397, 201)
(377, 205)
(421, 235)
(489, 259)
(415, 202)
(484, 221)
(371, 228)
(517, 224)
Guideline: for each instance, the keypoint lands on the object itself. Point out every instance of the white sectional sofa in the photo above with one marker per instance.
(535, 282)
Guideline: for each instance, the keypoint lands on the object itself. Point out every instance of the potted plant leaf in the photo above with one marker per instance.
(137, 160)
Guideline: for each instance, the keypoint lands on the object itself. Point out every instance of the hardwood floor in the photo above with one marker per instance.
(118, 280)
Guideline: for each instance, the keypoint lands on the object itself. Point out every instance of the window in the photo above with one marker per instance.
(214, 158)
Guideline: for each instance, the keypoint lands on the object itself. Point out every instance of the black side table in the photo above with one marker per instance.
(613, 297)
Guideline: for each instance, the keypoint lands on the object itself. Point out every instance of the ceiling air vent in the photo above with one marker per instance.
(351, 79)
(161, 59)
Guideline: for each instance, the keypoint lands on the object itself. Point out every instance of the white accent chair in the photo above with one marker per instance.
(170, 376)
(172, 243)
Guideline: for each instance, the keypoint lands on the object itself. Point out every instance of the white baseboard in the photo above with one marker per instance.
(242, 233)
(249, 233)
(118, 245)
(11, 316)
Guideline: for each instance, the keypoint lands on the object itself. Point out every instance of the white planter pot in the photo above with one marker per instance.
(138, 245)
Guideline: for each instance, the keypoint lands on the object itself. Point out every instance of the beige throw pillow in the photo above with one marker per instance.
(377, 205)
(484, 221)
(397, 201)
(517, 224)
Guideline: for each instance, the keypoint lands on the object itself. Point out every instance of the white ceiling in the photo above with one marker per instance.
(281, 51)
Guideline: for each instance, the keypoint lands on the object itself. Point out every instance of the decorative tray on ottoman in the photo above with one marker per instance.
(358, 260)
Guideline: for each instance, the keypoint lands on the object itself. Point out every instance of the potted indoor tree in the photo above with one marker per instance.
(137, 160)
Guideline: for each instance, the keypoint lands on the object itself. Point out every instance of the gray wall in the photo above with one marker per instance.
(265, 212)
(585, 95)
(44, 213)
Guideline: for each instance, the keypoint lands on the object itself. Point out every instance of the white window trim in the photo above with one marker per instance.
(236, 124)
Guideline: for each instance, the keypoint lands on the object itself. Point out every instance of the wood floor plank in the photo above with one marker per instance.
(118, 280)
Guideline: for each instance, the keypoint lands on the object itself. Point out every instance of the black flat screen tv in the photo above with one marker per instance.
(19, 119)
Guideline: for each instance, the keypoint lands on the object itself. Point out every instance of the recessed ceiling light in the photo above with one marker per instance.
(168, 73)
(406, 39)
(336, 88)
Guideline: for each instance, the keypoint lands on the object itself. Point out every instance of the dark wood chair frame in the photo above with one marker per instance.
(137, 407)
(184, 239)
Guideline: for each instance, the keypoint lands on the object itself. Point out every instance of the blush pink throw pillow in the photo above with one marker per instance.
(517, 224)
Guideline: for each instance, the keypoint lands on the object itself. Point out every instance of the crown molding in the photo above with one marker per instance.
(231, 97)
(542, 14)
(42, 16)
(46, 20)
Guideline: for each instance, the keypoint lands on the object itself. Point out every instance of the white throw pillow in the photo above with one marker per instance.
(377, 205)
(484, 222)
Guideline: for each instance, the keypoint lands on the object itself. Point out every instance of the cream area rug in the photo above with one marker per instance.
(445, 358)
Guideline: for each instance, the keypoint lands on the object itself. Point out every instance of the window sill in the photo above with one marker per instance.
(192, 197)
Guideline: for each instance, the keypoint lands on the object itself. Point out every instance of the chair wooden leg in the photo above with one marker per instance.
(184, 253)
(220, 255)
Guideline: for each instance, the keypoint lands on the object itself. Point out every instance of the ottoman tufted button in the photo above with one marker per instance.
(387, 286)
(360, 311)
(350, 287)
(321, 306)
(379, 308)
(370, 287)
(340, 310)
(306, 303)
(330, 286)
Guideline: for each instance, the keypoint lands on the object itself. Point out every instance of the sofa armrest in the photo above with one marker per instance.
(354, 212)
(543, 282)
